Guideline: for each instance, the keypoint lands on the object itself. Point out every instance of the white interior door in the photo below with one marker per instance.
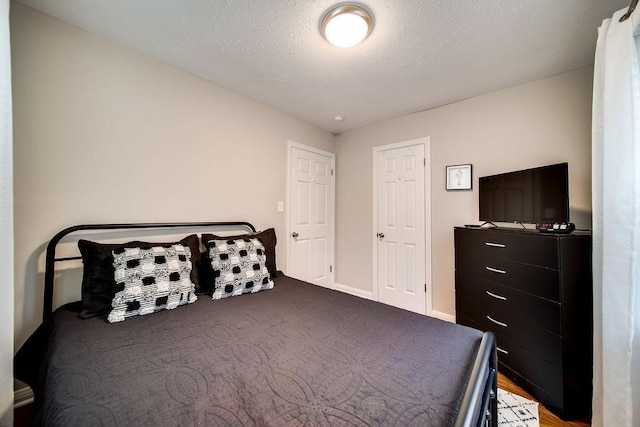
(400, 240)
(310, 239)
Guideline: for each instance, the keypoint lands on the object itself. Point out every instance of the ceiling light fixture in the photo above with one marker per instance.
(346, 25)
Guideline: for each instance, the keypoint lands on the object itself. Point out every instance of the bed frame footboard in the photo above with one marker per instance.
(480, 402)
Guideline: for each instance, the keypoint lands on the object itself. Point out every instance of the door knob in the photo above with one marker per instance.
(294, 234)
(381, 235)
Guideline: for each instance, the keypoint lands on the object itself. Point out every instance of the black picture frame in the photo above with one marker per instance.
(459, 177)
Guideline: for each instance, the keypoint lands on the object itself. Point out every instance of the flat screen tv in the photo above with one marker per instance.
(531, 196)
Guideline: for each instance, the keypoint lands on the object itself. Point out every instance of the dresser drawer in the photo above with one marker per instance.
(553, 403)
(527, 247)
(527, 278)
(542, 374)
(507, 325)
(540, 312)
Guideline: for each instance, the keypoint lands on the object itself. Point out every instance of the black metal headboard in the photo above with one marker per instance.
(51, 259)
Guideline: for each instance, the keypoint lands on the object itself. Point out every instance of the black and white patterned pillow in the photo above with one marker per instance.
(239, 267)
(150, 280)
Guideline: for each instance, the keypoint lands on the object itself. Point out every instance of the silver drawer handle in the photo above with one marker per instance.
(495, 270)
(496, 322)
(495, 245)
(502, 351)
(491, 294)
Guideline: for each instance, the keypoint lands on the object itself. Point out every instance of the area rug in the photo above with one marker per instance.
(516, 411)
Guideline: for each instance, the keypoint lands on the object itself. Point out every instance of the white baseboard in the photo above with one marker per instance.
(443, 316)
(353, 291)
(369, 295)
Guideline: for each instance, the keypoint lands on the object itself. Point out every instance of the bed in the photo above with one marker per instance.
(293, 354)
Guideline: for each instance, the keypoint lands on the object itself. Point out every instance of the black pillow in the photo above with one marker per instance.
(268, 239)
(98, 283)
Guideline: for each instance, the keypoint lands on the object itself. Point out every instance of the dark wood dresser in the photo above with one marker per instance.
(534, 291)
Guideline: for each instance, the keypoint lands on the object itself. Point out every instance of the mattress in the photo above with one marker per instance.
(298, 354)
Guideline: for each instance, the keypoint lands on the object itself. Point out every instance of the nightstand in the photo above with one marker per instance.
(22, 404)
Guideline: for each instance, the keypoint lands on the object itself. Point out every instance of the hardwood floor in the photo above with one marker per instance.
(547, 419)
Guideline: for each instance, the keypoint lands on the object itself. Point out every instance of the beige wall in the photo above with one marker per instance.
(92, 121)
(543, 122)
(103, 134)
(6, 224)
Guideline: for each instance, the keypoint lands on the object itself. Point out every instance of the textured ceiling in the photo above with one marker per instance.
(421, 53)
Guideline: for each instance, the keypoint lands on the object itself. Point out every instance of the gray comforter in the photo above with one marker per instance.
(295, 355)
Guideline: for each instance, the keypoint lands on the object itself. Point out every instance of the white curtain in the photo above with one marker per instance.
(616, 223)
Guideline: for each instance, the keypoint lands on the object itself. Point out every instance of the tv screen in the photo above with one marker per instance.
(534, 195)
